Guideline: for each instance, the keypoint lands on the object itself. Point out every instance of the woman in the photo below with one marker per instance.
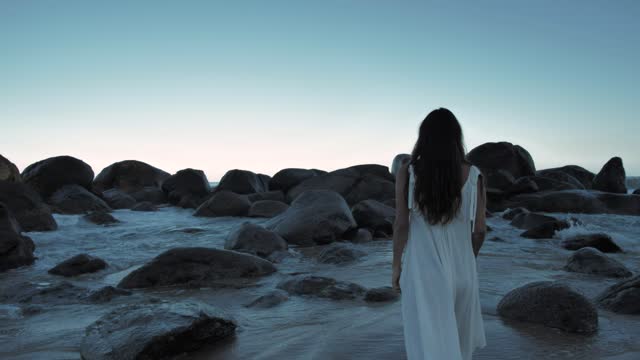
(440, 217)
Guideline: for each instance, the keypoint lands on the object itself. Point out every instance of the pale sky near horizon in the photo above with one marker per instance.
(265, 85)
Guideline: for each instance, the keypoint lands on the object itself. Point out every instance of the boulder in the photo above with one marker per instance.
(117, 199)
(224, 203)
(267, 208)
(77, 265)
(107, 294)
(150, 194)
(561, 176)
(600, 241)
(155, 331)
(512, 213)
(74, 199)
(270, 299)
(588, 260)
(334, 182)
(187, 188)
(528, 220)
(493, 157)
(612, 177)
(622, 297)
(15, 249)
(381, 294)
(397, 161)
(198, 267)
(371, 187)
(320, 286)
(144, 206)
(243, 182)
(501, 179)
(584, 176)
(129, 176)
(285, 179)
(100, 218)
(523, 185)
(9, 171)
(49, 175)
(27, 207)
(546, 230)
(275, 195)
(578, 201)
(255, 240)
(338, 253)
(374, 215)
(549, 184)
(636, 192)
(366, 170)
(360, 235)
(551, 304)
(314, 217)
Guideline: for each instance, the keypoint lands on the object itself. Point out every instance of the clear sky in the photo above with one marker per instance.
(264, 85)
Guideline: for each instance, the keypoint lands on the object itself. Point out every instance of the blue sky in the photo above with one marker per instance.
(264, 85)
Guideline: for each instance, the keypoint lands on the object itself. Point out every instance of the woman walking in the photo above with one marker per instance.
(438, 232)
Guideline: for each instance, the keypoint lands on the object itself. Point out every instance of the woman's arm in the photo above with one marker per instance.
(480, 226)
(401, 223)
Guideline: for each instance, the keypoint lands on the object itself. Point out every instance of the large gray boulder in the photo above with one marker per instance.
(243, 182)
(578, 201)
(314, 217)
(592, 261)
(612, 177)
(48, 175)
(129, 176)
(117, 199)
(155, 331)
(323, 287)
(77, 265)
(198, 267)
(15, 249)
(9, 171)
(493, 157)
(374, 215)
(151, 194)
(224, 203)
(584, 176)
(27, 206)
(255, 240)
(600, 241)
(622, 297)
(267, 208)
(187, 188)
(552, 304)
(74, 199)
(285, 179)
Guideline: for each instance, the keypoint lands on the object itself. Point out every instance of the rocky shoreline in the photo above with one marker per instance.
(305, 208)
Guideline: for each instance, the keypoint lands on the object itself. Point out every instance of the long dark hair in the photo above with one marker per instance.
(437, 160)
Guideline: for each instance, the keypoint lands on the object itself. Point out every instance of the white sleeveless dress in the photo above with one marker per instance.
(439, 283)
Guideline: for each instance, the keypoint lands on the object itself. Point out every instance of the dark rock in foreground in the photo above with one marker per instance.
(381, 294)
(339, 253)
(243, 182)
(358, 235)
(546, 230)
(512, 213)
(224, 203)
(321, 286)
(314, 217)
(79, 264)
(9, 171)
(255, 239)
(15, 249)
(529, 220)
(155, 331)
(600, 241)
(117, 199)
(270, 299)
(74, 199)
(267, 208)
(612, 178)
(48, 175)
(592, 261)
(27, 207)
(187, 188)
(100, 218)
(107, 294)
(129, 176)
(622, 297)
(198, 267)
(144, 206)
(551, 304)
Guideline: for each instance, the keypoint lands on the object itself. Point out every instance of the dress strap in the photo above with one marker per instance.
(410, 187)
(474, 174)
